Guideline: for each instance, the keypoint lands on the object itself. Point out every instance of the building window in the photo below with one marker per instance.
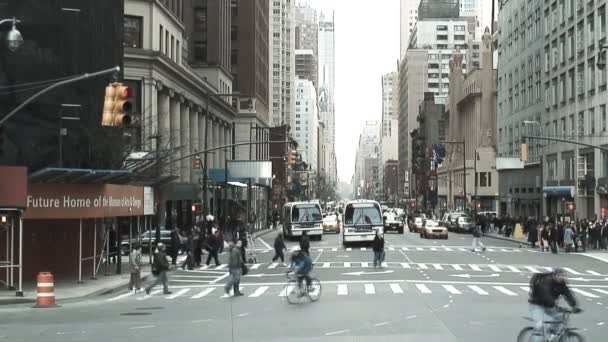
(167, 43)
(200, 51)
(177, 51)
(603, 117)
(172, 46)
(132, 31)
(160, 39)
(581, 124)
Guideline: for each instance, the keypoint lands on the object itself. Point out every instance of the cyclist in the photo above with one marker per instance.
(545, 291)
(301, 264)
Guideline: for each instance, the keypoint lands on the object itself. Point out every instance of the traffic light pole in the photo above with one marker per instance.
(57, 85)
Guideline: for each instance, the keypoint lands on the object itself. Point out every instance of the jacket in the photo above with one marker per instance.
(569, 236)
(378, 244)
(279, 244)
(160, 262)
(545, 291)
(234, 259)
(305, 243)
(135, 260)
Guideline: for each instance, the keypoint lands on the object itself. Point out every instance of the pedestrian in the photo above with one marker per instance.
(112, 245)
(305, 243)
(244, 243)
(568, 239)
(196, 245)
(477, 239)
(604, 235)
(275, 219)
(176, 241)
(544, 237)
(532, 233)
(235, 265)
(378, 248)
(135, 263)
(553, 239)
(213, 248)
(220, 237)
(279, 246)
(160, 266)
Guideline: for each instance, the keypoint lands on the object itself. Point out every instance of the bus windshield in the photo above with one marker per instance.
(305, 213)
(362, 215)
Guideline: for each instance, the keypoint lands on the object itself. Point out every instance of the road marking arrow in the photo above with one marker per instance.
(260, 275)
(493, 275)
(587, 279)
(368, 273)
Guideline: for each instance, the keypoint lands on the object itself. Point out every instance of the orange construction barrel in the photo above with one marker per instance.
(45, 293)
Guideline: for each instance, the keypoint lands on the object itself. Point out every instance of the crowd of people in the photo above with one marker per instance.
(575, 236)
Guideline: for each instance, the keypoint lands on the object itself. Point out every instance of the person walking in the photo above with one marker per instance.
(568, 239)
(160, 266)
(553, 239)
(604, 235)
(135, 263)
(176, 241)
(235, 265)
(213, 247)
(532, 233)
(279, 246)
(196, 246)
(477, 239)
(378, 248)
(305, 243)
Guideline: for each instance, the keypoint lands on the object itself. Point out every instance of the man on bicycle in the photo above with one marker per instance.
(545, 291)
(301, 264)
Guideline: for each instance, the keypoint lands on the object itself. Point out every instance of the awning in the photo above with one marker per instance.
(550, 191)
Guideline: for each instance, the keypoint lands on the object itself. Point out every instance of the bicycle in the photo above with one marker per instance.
(564, 334)
(296, 289)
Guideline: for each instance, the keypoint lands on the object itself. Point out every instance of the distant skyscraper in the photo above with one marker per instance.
(326, 39)
(307, 43)
(282, 61)
(408, 16)
(306, 121)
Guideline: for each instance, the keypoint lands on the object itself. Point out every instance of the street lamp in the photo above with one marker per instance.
(14, 40)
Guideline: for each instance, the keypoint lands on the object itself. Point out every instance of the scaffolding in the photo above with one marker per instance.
(439, 9)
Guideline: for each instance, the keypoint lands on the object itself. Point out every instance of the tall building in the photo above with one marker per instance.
(306, 65)
(282, 61)
(366, 183)
(307, 43)
(326, 91)
(520, 98)
(306, 122)
(408, 15)
(389, 123)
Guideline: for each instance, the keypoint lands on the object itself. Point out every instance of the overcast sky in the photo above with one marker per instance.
(367, 46)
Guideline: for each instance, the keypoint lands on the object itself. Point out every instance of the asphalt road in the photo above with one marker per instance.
(428, 290)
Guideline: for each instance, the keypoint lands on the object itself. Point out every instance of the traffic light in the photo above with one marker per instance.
(291, 157)
(117, 105)
(523, 155)
(196, 162)
(570, 207)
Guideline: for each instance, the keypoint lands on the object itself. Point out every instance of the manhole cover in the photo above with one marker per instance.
(135, 313)
(151, 308)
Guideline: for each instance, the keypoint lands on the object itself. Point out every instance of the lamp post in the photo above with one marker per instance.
(542, 169)
(14, 40)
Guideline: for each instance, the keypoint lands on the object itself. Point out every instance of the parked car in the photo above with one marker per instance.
(432, 229)
(144, 240)
(331, 223)
(393, 222)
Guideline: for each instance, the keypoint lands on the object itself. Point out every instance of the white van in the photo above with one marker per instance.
(362, 218)
(302, 216)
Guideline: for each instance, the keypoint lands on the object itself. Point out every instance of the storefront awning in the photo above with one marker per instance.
(84, 176)
(559, 191)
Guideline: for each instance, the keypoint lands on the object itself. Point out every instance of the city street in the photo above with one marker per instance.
(428, 290)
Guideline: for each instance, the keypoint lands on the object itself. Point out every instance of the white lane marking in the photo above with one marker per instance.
(548, 269)
(419, 249)
(410, 317)
(462, 249)
(494, 268)
(286, 290)
(584, 293)
(326, 264)
(336, 332)
(348, 249)
(434, 248)
(369, 289)
(422, 288)
(600, 291)
(364, 264)
(478, 290)
(423, 266)
(265, 244)
(451, 289)
(255, 266)
(474, 267)
(177, 294)
(203, 293)
(204, 267)
(384, 264)
(506, 250)
(381, 324)
(448, 249)
(152, 293)
(405, 265)
(273, 265)
(243, 314)
(526, 289)
(259, 291)
(225, 275)
(221, 267)
(457, 267)
(142, 327)
(600, 323)
(491, 250)
(437, 266)
(396, 288)
(513, 269)
(594, 273)
(405, 248)
(363, 249)
(334, 249)
(532, 269)
(347, 264)
(391, 248)
(568, 269)
(505, 290)
(130, 293)
(342, 290)
(202, 320)
(319, 249)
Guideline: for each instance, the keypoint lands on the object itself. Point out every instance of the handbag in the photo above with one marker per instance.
(244, 269)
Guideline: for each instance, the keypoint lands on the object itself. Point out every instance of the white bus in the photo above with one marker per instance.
(362, 218)
(302, 216)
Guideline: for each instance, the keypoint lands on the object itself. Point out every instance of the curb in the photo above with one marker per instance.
(16, 301)
(498, 237)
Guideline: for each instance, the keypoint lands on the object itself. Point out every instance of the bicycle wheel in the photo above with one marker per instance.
(314, 291)
(291, 292)
(572, 336)
(525, 335)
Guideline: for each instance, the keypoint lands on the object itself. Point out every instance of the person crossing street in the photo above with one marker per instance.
(213, 246)
(378, 247)
(279, 247)
(235, 264)
(135, 263)
(160, 266)
(477, 239)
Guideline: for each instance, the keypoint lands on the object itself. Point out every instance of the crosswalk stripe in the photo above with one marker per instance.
(457, 267)
(434, 249)
(451, 289)
(513, 269)
(405, 249)
(437, 266)
(568, 269)
(474, 267)
(273, 265)
(221, 267)
(348, 249)
(204, 267)
(505, 250)
(255, 266)
(505, 291)
(594, 273)
(548, 269)
(384, 264)
(462, 249)
(532, 269)
(396, 288)
(369, 288)
(130, 293)
(342, 290)
(286, 290)
(494, 268)
(478, 290)
(423, 266)
(203, 293)
(491, 250)
(448, 249)
(405, 265)
(319, 249)
(334, 249)
(422, 288)
(259, 291)
(419, 249)
(585, 293)
(152, 293)
(364, 264)
(391, 248)
(347, 264)
(177, 294)
(363, 249)
(326, 264)
(526, 289)
(601, 291)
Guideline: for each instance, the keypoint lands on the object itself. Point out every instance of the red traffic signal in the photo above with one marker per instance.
(117, 105)
(570, 206)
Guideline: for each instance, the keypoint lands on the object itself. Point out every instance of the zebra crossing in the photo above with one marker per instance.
(403, 248)
(495, 268)
(357, 289)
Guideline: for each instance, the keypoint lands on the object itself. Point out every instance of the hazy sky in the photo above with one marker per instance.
(367, 46)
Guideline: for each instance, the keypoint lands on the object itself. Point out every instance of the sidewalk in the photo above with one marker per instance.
(70, 289)
(502, 237)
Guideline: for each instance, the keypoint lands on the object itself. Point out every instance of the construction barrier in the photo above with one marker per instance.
(45, 293)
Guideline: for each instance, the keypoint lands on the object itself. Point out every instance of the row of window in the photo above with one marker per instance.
(522, 28)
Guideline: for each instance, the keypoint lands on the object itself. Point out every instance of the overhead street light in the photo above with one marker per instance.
(14, 40)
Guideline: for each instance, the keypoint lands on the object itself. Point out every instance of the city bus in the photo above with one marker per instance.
(302, 216)
(362, 219)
